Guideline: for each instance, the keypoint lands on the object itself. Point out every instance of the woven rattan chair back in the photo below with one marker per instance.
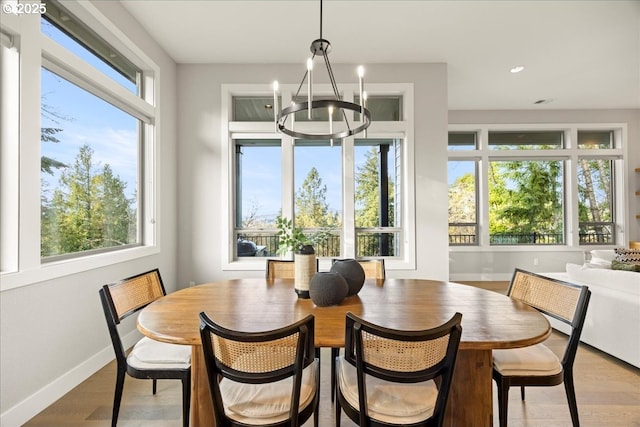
(403, 356)
(258, 358)
(553, 297)
(134, 293)
(280, 269)
(373, 268)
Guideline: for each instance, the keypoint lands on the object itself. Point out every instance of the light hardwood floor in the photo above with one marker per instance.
(607, 390)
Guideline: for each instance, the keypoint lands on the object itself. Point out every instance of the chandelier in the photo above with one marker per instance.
(321, 47)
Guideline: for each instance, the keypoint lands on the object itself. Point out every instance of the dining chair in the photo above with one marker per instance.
(280, 269)
(389, 377)
(262, 378)
(373, 269)
(149, 359)
(537, 365)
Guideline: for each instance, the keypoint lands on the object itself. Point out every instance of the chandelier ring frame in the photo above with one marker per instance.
(323, 104)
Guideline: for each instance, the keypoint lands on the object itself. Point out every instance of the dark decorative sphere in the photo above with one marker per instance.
(327, 289)
(353, 273)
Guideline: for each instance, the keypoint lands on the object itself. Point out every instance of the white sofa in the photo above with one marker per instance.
(613, 316)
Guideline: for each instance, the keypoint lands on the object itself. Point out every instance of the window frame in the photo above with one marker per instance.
(231, 130)
(36, 50)
(570, 155)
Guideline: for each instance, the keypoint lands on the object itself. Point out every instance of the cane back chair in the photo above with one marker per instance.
(280, 269)
(389, 377)
(537, 365)
(262, 378)
(373, 269)
(149, 359)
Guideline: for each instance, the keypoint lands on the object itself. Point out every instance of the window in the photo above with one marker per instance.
(348, 195)
(595, 189)
(88, 189)
(258, 196)
(530, 180)
(378, 195)
(89, 171)
(463, 190)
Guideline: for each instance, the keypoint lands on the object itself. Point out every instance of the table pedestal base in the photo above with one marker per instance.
(471, 396)
(201, 406)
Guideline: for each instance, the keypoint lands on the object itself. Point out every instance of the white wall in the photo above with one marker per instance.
(498, 264)
(201, 153)
(53, 333)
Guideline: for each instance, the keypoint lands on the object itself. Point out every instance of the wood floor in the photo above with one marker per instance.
(607, 390)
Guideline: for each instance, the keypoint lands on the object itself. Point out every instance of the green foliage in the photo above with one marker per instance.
(290, 238)
(312, 209)
(525, 197)
(88, 210)
(367, 192)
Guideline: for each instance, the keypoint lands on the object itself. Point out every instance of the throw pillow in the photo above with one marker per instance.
(628, 255)
(626, 266)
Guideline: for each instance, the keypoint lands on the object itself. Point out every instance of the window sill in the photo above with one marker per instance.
(67, 267)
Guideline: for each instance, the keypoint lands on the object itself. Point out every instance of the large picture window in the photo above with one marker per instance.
(530, 179)
(83, 196)
(349, 196)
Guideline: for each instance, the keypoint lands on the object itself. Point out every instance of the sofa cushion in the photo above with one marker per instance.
(626, 266)
(628, 255)
(622, 281)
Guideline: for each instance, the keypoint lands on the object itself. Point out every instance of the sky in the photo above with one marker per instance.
(86, 119)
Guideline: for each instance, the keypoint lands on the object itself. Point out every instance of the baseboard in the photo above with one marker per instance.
(40, 400)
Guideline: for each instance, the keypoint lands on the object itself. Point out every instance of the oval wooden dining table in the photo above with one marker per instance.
(489, 321)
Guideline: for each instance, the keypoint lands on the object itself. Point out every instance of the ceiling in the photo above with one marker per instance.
(576, 54)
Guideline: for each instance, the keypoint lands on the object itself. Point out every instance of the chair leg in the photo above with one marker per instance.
(117, 397)
(155, 386)
(335, 385)
(571, 398)
(186, 400)
(503, 402)
(334, 353)
(522, 392)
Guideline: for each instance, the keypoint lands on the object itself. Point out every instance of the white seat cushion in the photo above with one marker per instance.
(152, 354)
(533, 360)
(389, 401)
(259, 404)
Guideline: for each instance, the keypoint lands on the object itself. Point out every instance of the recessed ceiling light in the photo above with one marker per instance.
(517, 69)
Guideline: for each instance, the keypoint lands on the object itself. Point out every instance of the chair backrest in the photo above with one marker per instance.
(373, 268)
(280, 269)
(125, 297)
(257, 357)
(403, 356)
(561, 300)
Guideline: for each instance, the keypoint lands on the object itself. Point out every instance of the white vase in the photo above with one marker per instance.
(305, 268)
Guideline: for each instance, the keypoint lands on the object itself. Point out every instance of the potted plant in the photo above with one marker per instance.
(292, 239)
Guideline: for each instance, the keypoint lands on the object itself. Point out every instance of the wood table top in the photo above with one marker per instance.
(489, 320)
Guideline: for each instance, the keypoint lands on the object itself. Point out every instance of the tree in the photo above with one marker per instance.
(525, 197)
(312, 209)
(48, 134)
(367, 194)
(88, 210)
(368, 207)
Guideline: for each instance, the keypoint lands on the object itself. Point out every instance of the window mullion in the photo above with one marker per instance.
(348, 248)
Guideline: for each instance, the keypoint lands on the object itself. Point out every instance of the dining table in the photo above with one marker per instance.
(490, 320)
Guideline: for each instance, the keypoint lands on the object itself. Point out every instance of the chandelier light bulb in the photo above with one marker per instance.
(361, 71)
